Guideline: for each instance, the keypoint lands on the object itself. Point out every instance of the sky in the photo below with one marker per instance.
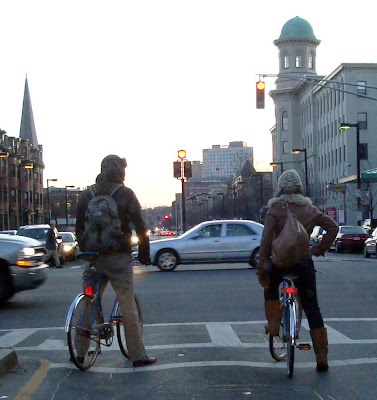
(145, 78)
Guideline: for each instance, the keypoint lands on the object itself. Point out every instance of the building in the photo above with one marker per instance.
(225, 161)
(21, 173)
(309, 110)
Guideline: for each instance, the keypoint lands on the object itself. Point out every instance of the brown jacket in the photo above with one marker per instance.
(306, 213)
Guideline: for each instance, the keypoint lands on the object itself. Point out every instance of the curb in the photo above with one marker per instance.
(8, 359)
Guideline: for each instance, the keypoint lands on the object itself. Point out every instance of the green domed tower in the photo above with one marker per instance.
(297, 48)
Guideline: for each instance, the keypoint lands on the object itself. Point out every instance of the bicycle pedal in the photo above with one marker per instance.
(304, 346)
(91, 353)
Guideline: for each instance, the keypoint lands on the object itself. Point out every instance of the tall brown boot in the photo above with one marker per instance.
(320, 345)
(272, 309)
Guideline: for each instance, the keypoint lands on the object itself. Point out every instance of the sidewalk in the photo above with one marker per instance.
(8, 359)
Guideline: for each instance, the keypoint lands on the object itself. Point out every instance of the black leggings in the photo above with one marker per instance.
(307, 290)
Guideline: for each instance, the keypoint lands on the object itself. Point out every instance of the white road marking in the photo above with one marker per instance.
(334, 336)
(222, 334)
(16, 336)
(197, 364)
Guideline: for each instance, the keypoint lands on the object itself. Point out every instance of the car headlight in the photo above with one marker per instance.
(28, 251)
(134, 240)
(67, 247)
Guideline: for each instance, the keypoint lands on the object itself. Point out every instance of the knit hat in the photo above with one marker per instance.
(290, 182)
(113, 164)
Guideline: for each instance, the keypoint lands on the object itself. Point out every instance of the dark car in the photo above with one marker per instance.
(370, 245)
(350, 238)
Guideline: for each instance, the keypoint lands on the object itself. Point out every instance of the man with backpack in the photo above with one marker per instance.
(104, 214)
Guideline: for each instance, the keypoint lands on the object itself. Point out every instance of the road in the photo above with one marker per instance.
(205, 325)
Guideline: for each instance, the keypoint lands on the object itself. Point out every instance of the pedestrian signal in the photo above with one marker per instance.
(260, 94)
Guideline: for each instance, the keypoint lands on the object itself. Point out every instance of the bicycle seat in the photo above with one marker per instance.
(289, 277)
(88, 255)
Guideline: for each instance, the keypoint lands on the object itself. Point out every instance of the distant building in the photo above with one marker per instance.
(226, 161)
(21, 173)
(308, 118)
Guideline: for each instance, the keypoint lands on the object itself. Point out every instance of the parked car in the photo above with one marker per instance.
(220, 241)
(350, 238)
(21, 266)
(38, 232)
(316, 235)
(70, 245)
(370, 246)
(9, 232)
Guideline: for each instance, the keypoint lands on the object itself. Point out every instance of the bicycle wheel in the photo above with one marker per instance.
(83, 342)
(291, 338)
(277, 345)
(121, 331)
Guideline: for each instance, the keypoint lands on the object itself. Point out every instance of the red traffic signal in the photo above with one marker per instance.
(166, 216)
(181, 154)
(260, 94)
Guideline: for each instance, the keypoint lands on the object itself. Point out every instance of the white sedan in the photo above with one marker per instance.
(223, 241)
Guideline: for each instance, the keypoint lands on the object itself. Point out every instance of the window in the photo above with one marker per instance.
(362, 120)
(284, 120)
(361, 87)
(298, 61)
(210, 231)
(310, 62)
(285, 147)
(238, 230)
(286, 62)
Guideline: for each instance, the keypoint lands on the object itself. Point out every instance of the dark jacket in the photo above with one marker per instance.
(129, 212)
(51, 243)
(306, 213)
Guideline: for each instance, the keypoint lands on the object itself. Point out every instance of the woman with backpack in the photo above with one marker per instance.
(291, 201)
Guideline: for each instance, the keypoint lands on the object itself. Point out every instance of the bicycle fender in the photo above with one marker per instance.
(71, 308)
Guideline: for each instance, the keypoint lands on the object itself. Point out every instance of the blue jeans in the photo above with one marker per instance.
(307, 289)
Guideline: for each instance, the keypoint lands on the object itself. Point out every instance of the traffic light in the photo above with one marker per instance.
(187, 167)
(177, 169)
(181, 154)
(260, 94)
(166, 216)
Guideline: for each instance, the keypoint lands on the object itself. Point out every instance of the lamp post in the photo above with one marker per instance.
(48, 199)
(346, 125)
(298, 151)
(223, 204)
(66, 203)
(275, 164)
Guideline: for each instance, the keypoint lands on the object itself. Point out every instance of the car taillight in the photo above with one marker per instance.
(347, 236)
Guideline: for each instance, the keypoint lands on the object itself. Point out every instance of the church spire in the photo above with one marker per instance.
(27, 129)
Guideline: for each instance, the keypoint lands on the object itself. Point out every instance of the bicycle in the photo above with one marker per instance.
(283, 346)
(85, 325)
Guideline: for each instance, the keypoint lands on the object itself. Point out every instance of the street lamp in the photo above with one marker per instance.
(66, 203)
(275, 164)
(223, 203)
(346, 125)
(48, 199)
(298, 151)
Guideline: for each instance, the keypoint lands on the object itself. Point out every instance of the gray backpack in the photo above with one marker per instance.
(103, 227)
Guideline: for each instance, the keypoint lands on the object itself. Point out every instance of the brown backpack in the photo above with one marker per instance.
(292, 244)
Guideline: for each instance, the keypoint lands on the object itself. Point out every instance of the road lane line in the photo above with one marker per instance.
(222, 334)
(196, 364)
(333, 336)
(34, 382)
(16, 336)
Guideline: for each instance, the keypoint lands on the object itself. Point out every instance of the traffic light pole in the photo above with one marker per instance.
(183, 206)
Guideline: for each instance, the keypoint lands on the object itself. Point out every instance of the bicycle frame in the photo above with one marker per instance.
(291, 324)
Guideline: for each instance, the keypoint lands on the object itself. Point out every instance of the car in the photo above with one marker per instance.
(350, 238)
(222, 241)
(38, 232)
(10, 232)
(21, 266)
(316, 235)
(370, 246)
(70, 245)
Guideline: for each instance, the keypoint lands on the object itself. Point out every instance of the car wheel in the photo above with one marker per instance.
(337, 247)
(366, 254)
(254, 258)
(167, 260)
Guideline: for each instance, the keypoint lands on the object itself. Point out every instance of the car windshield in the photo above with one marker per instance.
(67, 237)
(37, 233)
(352, 229)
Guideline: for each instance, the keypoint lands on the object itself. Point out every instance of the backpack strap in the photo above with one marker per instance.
(93, 190)
(114, 189)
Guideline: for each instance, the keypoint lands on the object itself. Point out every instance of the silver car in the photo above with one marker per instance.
(222, 241)
(21, 266)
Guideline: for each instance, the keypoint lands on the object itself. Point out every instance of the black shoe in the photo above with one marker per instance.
(144, 361)
(59, 266)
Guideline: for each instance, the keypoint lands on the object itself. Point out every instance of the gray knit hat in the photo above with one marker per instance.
(290, 182)
(113, 164)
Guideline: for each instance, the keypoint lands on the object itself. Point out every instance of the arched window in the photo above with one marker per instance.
(284, 121)
(286, 62)
(298, 61)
